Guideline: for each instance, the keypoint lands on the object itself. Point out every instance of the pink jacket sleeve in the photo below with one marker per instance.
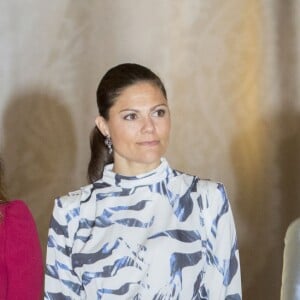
(23, 254)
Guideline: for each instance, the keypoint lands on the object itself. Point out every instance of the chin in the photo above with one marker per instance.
(151, 159)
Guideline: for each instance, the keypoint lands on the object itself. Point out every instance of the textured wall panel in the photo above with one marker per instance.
(231, 69)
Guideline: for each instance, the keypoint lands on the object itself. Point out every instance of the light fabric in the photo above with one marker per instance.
(290, 288)
(161, 235)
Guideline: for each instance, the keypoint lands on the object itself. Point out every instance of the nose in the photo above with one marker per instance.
(148, 125)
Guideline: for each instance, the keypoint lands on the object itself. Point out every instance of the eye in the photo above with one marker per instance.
(159, 112)
(130, 117)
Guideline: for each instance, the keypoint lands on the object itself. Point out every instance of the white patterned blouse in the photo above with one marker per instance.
(161, 235)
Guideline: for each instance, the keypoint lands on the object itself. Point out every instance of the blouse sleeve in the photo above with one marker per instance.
(23, 254)
(61, 282)
(223, 254)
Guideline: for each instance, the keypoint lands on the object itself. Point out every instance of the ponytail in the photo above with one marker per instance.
(99, 156)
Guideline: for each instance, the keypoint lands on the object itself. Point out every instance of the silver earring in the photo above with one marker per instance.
(108, 144)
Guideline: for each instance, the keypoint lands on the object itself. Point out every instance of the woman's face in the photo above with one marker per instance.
(139, 126)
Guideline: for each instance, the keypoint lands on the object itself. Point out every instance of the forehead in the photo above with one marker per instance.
(140, 93)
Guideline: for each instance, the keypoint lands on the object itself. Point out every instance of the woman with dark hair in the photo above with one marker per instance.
(21, 264)
(140, 230)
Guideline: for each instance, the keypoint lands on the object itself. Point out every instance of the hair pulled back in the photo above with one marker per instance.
(110, 87)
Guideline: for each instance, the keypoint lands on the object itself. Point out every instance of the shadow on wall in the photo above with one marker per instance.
(39, 152)
(289, 120)
(267, 168)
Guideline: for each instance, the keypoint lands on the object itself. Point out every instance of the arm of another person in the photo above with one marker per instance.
(61, 281)
(23, 254)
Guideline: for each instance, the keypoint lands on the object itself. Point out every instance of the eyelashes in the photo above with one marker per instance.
(160, 113)
(130, 117)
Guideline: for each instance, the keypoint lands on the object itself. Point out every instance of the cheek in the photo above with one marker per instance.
(122, 134)
(165, 128)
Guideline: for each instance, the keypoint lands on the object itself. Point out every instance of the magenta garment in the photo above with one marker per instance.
(21, 263)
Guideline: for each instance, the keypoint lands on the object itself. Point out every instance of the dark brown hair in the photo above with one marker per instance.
(110, 87)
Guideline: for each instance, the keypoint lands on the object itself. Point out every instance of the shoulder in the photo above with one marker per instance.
(68, 207)
(208, 193)
(74, 198)
(212, 189)
(16, 205)
(66, 214)
(17, 209)
(203, 186)
(19, 221)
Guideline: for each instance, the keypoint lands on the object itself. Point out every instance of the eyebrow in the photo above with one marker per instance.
(136, 110)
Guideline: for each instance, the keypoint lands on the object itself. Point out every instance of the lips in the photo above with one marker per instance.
(149, 143)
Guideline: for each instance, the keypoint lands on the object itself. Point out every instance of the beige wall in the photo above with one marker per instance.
(231, 69)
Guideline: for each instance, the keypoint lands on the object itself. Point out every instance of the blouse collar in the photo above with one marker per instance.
(153, 176)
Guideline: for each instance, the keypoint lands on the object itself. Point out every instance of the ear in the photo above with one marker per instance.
(102, 125)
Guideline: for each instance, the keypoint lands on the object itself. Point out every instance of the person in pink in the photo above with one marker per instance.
(21, 263)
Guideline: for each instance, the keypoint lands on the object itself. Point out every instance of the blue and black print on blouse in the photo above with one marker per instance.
(162, 235)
